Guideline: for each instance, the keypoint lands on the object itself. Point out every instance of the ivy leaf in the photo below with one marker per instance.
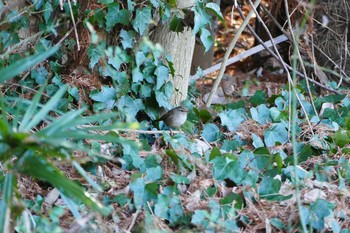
(13, 16)
(140, 58)
(204, 115)
(73, 91)
(130, 107)
(215, 9)
(105, 1)
(301, 173)
(163, 95)
(335, 115)
(47, 11)
(277, 134)
(206, 39)
(155, 3)
(95, 53)
(200, 218)
(37, 4)
(230, 145)
(261, 114)
(257, 142)
(175, 209)
(235, 172)
(232, 118)
(138, 188)
(137, 75)
(179, 179)
(280, 103)
(320, 209)
(176, 24)
(127, 38)
(211, 132)
(142, 19)
(201, 18)
(145, 90)
(106, 96)
(276, 115)
(236, 105)
(259, 97)
(131, 154)
(148, 73)
(113, 57)
(234, 198)
(342, 137)
(161, 207)
(215, 152)
(269, 186)
(153, 173)
(329, 99)
(39, 75)
(163, 99)
(170, 65)
(131, 5)
(224, 168)
(115, 15)
(7, 39)
(162, 73)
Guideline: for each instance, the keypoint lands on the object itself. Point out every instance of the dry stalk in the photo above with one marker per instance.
(228, 52)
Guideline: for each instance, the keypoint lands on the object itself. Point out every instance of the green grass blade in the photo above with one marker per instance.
(31, 109)
(86, 176)
(25, 63)
(51, 104)
(68, 122)
(73, 207)
(86, 135)
(40, 168)
(6, 203)
(62, 123)
(91, 120)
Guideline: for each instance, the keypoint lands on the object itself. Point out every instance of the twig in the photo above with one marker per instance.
(135, 215)
(275, 22)
(301, 63)
(279, 58)
(65, 36)
(146, 131)
(294, 119)
(323, 53)
(228, 52)
(295, 44)
(74, 25)
(266, 46)
(342, 73)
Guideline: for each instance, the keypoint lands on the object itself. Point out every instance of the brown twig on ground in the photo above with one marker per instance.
(135, 215)
(74, 25)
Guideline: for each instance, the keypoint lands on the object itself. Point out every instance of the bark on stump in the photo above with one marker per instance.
(180, 47)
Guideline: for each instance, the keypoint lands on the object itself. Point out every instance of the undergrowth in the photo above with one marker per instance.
(77, 155)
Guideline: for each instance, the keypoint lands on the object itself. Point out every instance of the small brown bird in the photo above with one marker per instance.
(175, 117)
